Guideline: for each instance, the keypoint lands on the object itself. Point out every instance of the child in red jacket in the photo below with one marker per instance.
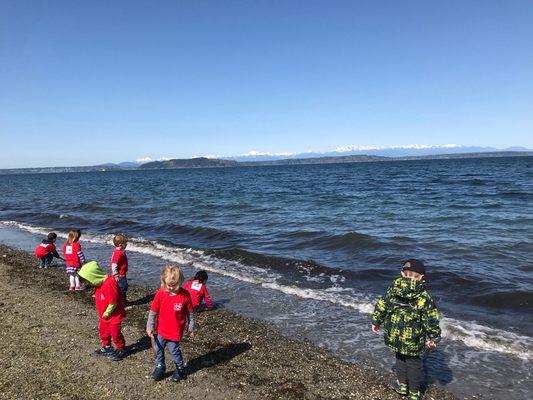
(119, 264)
(198, 290)
(46, 250)
(168, 315)
(110, 310)
(74, 258)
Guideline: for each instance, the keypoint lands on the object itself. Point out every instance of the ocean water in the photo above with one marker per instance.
(310, 248)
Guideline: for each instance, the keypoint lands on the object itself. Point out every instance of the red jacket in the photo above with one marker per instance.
(119, 263)
(108, 293)
(73, 255)
(172, 310)
(198, 292)
(45, 248)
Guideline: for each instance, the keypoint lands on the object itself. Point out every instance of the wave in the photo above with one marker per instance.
(349, 241)
(196, 231)
(470, 333)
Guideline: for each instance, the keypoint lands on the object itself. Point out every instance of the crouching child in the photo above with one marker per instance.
(46, 250)
(110, 309)
(167, 320)
(410, 322)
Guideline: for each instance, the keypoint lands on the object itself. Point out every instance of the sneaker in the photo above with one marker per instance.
(118, 355)
(71, 288)
(414, 395)
(178, 375)
(400, 388)
(159, 373)
(79, 288)
(104, 351)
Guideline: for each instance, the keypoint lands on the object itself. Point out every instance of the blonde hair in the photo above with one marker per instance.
(171, 275)
(119, 239)
(73, 236)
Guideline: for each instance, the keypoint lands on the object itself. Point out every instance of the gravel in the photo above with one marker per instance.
(48, 335)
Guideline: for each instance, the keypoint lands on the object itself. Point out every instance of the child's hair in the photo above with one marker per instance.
(73, 236)
(52, 236)
(201, 276)
(119, 239)
(171, 275)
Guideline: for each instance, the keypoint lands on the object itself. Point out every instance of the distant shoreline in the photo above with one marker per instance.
(202, 162)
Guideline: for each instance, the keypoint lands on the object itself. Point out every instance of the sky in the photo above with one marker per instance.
(82, 83)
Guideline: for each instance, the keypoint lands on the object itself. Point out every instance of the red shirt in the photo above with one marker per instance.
(198, 292)
(43, 249)
(172, 309)
(70, 252)
(119, 263)
(108, 293)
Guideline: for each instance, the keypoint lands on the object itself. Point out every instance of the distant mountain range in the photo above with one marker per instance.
(384, 151)
(204, 162)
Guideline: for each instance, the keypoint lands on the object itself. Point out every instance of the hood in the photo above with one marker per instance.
(407, 289)
(93, 273)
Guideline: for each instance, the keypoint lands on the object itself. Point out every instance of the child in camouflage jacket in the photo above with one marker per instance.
(410, 322)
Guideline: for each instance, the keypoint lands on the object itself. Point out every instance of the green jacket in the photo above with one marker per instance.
(408, 315)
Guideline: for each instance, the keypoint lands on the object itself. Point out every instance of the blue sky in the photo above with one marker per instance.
(90, 82)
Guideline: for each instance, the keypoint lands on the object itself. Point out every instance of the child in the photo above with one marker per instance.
(411, 321)
(119, 264)
(198, 290)
(171, 307)
(110, 310)
(46, 251)
(74, 258)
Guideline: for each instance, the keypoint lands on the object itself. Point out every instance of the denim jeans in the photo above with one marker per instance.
(46, 261)
(174, 348)
(123, 286)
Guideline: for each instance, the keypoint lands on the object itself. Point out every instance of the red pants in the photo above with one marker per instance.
(110, 331)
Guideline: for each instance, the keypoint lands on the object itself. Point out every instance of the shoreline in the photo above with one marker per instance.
(49, 334)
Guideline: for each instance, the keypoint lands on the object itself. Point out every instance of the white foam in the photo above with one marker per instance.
(471, 334)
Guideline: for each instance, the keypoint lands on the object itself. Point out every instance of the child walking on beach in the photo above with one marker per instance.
(167, 319)
(198, 290)
(110, 310)
(119, 263)
(411, 322)
(74, 258)
(46, 250)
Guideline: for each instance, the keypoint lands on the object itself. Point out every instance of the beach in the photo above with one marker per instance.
(48, 335)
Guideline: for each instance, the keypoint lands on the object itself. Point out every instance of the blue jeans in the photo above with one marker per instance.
(123, 286)
(46, 261)
(174, 348)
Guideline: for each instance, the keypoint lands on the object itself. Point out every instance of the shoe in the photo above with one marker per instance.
(104, 351)
(118, 355)
(178, 375)
(71, 288)
(400, 388)
(79, 288)
(414, 395)
(159, 373)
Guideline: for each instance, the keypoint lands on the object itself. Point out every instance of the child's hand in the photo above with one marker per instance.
(430, 344)
(150, 333)
(375, 329)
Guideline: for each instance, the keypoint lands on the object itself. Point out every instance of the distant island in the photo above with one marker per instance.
(203, 162)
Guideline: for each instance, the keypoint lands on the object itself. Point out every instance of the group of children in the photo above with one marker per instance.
(406, 312)
(174, 304)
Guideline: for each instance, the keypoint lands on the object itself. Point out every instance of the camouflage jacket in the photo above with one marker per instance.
(408, 316)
